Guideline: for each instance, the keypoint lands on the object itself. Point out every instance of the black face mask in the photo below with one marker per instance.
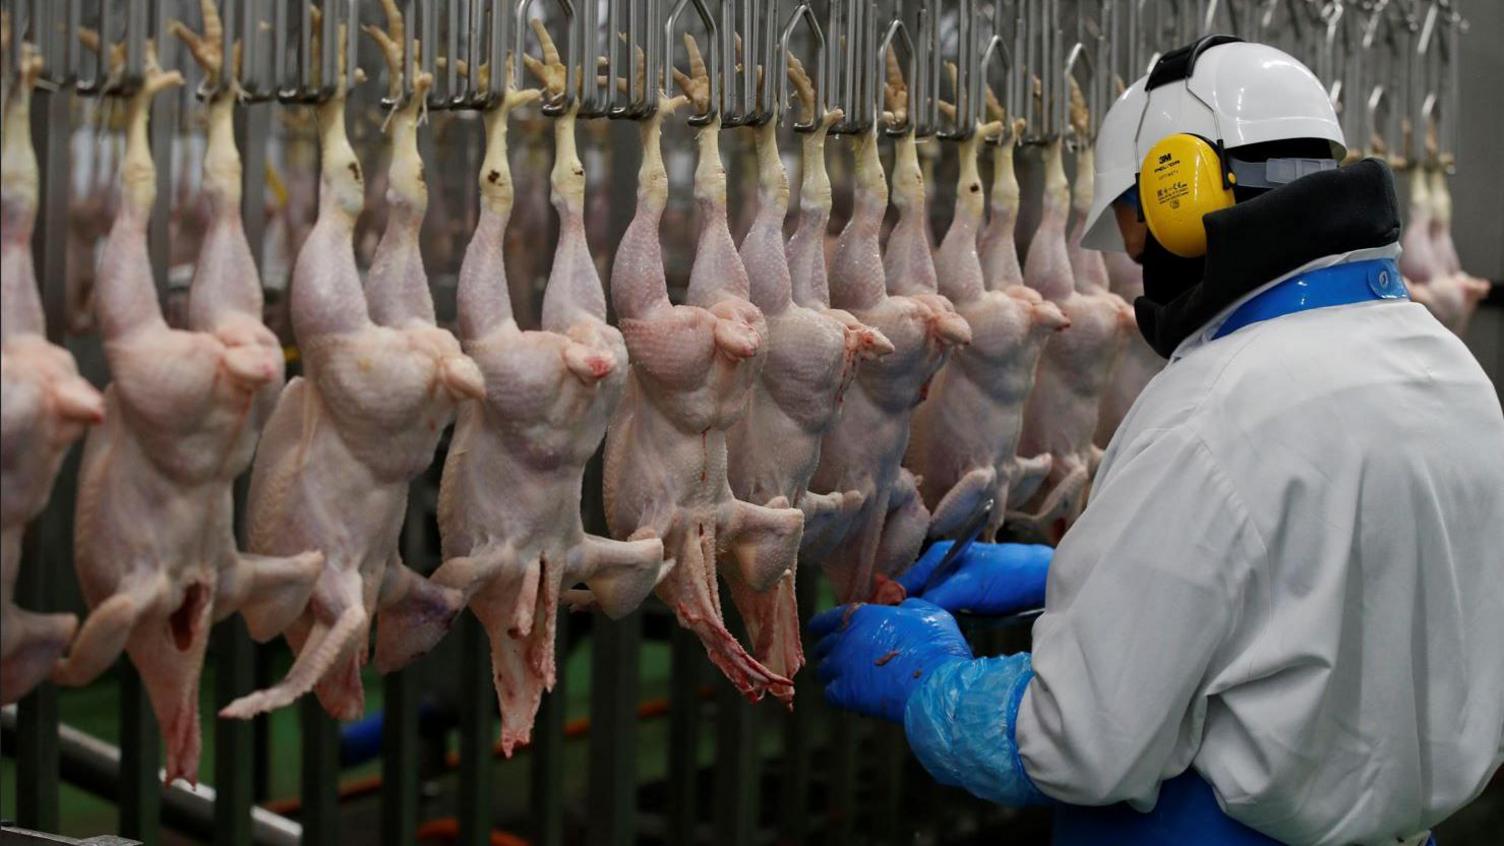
(1167, 279)
(1260, 239)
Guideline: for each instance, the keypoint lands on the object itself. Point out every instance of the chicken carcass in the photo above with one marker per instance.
(1451, 293)
(693, 368)
(380, 382)
(812, 356)
(153, 536)
(1138, 363)
(862, 451)
(45, 404)
(998, 251)
(509, 505)
(1060, 416)
(963, 445)
(1419, 263)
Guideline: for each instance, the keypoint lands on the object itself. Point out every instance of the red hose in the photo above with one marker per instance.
(357, 788)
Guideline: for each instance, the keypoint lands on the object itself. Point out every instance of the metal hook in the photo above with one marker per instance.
(879, 68)
(712, 110)
(848, 64)
(1078, 55)
(595, 101)
(967, 86)
(556, 106)
(302, 88)
(641, 23)
(995, 47)
(139, 16)
(802, 12)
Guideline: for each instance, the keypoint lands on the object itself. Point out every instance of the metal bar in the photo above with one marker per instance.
(477, 733)
(842, 755)
(12, 836)
(37, 714)
(613, 735)
(737, 769)
(685, 657)
(799, 730)
(891, 749)
(399, 719)
(399, 759)
(94, 766)
(547, 797)
(713, 55)
(233, 677)
(140, 797)
(780, 91)
(320, 788)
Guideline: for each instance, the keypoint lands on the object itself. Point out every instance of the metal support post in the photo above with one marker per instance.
(477, 733)
(548, 752)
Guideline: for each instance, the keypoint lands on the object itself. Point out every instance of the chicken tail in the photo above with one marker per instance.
(415, 621)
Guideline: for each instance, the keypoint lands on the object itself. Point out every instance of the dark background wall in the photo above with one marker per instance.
(1478, 187)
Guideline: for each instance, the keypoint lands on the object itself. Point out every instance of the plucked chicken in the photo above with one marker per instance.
(1061, 414)
(693, 368)
(1429, 261)
(862, 451)
(509, 505)
(998, 251)
(812, 356)
(380, 383)
(1139, 362)
(964, 437)
(153, 537)
(45, 404)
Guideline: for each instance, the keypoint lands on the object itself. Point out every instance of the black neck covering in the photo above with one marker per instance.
(1337, 211)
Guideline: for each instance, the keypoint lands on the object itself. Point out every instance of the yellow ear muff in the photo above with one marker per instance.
(1179, 183)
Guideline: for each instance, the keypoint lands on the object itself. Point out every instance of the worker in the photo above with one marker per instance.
(1280, 618)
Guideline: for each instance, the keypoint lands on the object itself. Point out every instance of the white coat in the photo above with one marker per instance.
(1290, 577)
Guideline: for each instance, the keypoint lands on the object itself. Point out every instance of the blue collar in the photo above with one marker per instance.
(1340, 284)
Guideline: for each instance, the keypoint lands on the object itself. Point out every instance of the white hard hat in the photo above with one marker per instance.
(1117, 160)
(1231, 92)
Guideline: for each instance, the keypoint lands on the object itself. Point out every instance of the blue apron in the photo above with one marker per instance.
(1186, 813)
(1187, 810)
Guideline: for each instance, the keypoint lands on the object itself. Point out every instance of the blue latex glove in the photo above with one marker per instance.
(872, 657)
(994, 579)
(961, 725)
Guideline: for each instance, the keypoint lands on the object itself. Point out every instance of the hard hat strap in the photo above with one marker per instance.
(1276, 172)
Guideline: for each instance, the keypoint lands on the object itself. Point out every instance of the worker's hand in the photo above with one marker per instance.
(872, 657)
(993, 579)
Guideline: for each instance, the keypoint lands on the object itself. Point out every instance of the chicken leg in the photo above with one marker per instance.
(346, 438)
(693, 368)
(152, 535)
(773, 449)
(862, 451)
(509, 506)
(965, 434)
(46, 405)
(1061, 414)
